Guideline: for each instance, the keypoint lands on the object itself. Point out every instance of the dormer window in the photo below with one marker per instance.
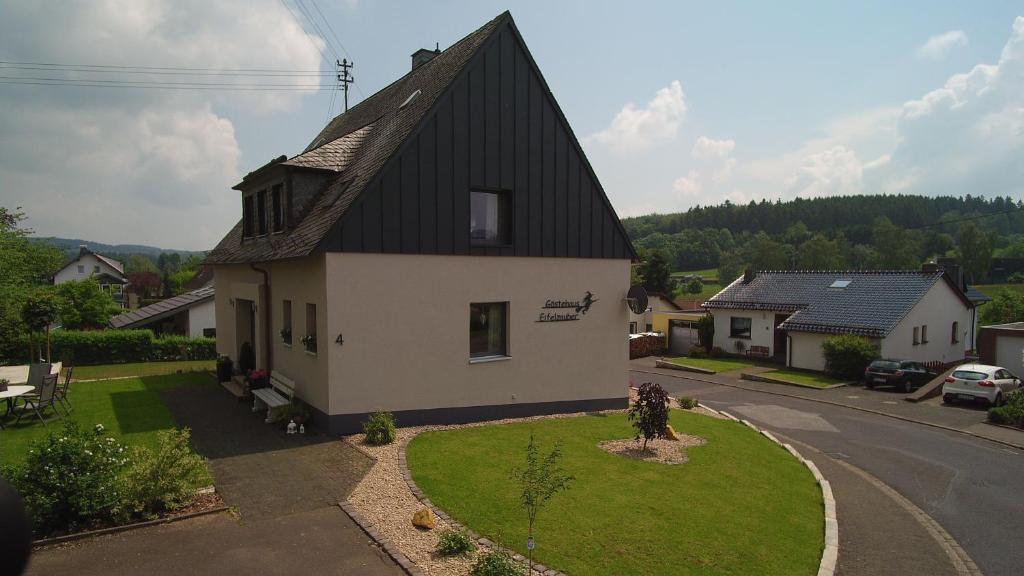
(248, 206)
(277, 205)
(261, 212)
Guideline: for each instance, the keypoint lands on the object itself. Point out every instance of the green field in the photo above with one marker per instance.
(707, 273)
(815, 379)
(141, 369)
(741, 505)
(130, 409)
(993, 289)
(719, 364)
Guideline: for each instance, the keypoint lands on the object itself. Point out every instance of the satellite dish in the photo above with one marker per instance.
(637, 299)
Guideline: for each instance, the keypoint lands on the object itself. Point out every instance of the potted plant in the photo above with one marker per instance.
(286, 335)
(257, 378)
(224, 366)
(293, 412)
(309, 341)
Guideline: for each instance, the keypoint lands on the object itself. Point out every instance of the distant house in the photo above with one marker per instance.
(88, 264)
(190, 314)
(923, 315)
(656, 302)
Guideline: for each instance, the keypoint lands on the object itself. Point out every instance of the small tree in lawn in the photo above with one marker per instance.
(38, 312)
(540, 479)
(649, 414)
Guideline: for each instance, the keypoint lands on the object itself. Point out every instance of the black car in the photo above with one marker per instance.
(904, 374)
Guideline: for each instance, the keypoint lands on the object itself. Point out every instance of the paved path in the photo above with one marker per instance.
(970, 486)
(285, 489)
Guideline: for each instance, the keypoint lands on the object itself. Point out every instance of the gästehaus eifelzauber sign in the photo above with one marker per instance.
(566, 310)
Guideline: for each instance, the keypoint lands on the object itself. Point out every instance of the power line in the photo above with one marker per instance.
(157, 86)
(309, 18)
(306, 34)
(147, 68)
(331, 29)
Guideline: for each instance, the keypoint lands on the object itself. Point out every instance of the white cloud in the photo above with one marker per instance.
(634, 129)
(939, 45)
(832, 172)
(707, 149)
(139, 165)
(689, 185)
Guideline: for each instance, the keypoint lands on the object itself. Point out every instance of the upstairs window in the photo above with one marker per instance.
(96, 269)
(956, 333)
(924, 334)
(261, 212)
(277, 204)
(248, 203)
(917, 335)
(490, 218)
(81, 269)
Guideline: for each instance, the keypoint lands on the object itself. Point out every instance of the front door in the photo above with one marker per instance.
(779, 347)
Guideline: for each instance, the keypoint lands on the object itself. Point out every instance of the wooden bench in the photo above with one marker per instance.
(758, 351)
(278, 393)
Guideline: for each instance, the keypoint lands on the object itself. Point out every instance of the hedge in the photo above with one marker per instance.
(85, 347)
(847, 355)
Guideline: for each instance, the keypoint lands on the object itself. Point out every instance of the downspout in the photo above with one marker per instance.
(267, 308)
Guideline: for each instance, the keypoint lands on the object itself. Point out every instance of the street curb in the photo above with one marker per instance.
(830, 552)
(401, 559)
(682, 367)
(760, 378)
(126, 527)
(841, 405)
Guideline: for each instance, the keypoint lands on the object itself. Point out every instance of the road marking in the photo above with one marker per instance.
(854, 397)
(1008, 451)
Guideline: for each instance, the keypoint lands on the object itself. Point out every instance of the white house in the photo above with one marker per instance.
(656, 302)
(88, 264)
(923, 315)
(189, 314)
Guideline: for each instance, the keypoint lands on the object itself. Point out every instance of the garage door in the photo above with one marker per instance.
(681, 335)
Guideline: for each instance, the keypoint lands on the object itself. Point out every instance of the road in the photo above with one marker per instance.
(971, 487)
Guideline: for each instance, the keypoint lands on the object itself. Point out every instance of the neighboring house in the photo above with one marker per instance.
(1003, 345)
(443, 251)
(914, 315)
(190, 314)
(656, 302)
(88, 264)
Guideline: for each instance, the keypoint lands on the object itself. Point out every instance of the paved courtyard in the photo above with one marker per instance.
(283, 488)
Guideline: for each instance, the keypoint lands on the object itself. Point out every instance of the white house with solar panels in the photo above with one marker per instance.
(926, 315)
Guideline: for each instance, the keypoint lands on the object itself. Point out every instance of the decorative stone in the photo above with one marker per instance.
(424, 518)
(670, 433)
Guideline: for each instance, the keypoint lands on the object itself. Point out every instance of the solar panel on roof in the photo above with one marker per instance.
(840, 284)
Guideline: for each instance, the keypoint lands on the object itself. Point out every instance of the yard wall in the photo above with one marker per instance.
(405, 324)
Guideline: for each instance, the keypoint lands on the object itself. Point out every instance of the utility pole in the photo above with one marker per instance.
(345, 77)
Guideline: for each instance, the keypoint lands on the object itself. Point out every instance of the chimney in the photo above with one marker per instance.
(748, 276)
(82, 250)
(424, 55)
(955, 272)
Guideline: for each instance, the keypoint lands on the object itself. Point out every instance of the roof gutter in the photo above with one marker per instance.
(267, 308)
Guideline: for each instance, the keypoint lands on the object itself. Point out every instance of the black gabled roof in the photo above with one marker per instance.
(872, 304)
(162, 309)
(391, 126)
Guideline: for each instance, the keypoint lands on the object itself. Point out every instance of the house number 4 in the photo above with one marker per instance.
(339, 339)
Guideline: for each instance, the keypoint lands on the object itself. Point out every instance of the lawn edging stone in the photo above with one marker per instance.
(762, 378)
(830, 553)
(662, 363)
(480, 540)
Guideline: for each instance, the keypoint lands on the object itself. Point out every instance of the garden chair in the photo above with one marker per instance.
(61, 393)
(46, 399)
(35, 376)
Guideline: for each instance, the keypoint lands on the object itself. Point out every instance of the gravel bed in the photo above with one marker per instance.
(660, 450)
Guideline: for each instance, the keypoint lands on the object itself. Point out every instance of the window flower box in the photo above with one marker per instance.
(309, 342)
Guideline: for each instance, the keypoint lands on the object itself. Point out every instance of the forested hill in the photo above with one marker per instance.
(852, 215)
(847, 232)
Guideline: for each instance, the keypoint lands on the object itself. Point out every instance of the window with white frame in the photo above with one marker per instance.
(488, 326)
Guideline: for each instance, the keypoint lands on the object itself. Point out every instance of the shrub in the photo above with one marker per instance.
(649, 414)
(706, 331)
(71, 478)
(454, 542)
(847, 355)
(1016, 278)
(687, 403)
(1011, 413)
(84, 347)
(183, 348)
(165, 478)
(717, 352)
(695, 286)
(697, 352)
(495, 564)
(380, 428)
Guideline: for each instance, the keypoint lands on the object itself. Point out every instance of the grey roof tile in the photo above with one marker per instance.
(871, 305)
(162, 309)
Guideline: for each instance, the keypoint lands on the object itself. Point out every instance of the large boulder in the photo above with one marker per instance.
(424, 518)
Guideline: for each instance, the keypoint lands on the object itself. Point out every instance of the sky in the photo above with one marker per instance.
(676, 104)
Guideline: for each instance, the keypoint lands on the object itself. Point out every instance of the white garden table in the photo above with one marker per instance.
(13, 392)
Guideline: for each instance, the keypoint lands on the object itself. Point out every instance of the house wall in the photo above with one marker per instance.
(201, 316)
(806, 350)
(88, 261)
(938, 309)
(999, 346)
(761, 329)
(406, 337)
(656, 304)
(301, 281)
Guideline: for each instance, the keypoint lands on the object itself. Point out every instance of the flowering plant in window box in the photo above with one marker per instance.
(256, 378)
(309, 341)
(286, 335)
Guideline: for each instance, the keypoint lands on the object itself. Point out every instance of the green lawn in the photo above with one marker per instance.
(707, 273)
(131, 409)
(141, 369)
(993, 289)
(742, 505)
(718, 364)
(816, 379)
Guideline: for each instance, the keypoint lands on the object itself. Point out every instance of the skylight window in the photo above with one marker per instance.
(840, 284)
(409, 100)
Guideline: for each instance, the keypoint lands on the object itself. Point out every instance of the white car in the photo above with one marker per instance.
(979, 381)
